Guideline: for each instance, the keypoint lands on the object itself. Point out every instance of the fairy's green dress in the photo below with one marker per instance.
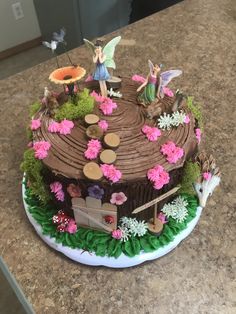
(149, 93)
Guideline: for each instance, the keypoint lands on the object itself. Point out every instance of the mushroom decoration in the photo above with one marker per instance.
(209, 179)
(67, 76)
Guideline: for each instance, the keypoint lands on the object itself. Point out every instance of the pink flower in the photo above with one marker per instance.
(74, 190)
(71, 226)
(162, 217)
(111, 173)
(35, 124)
(206, 176)
(198, 134)
(94, 148)
(107, 106)
(103, 125)
(89, 78)
(97, 96)
(54, 127)
(152, 133)
(173, 153)
(91, 153)
(55, 187)
(158, 176)
(60, 196)
(30, 144)
(43, 145)
(66, 126)
(117, 234)
(96, 144)
(138, 78)
(40, 154)
(187, 119)
(168, 92)
(118, 198)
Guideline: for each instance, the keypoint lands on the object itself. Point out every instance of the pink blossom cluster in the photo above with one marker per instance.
(64, 127)
(64, 223)
(152, 133)
(206, 176)
(35, 124)
(103, 125)
(117, 234)
(106, 103)
(93, 149)
(198, 134)
(173, 153)
(111, 173)
(41, 149)
(56, 188)
(168, 92)
(138, 78)
(107, 106)
(186, 119)
(158, 176)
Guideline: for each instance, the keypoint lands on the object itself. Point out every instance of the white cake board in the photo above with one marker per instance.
(123, 261)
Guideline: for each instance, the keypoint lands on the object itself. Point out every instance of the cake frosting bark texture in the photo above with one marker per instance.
(134, 156)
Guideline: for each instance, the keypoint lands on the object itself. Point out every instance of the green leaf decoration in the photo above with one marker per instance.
(145, 245)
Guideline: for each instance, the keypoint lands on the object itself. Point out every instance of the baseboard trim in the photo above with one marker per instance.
(19, 48)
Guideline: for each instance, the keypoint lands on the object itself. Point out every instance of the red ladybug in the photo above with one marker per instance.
(109, 219)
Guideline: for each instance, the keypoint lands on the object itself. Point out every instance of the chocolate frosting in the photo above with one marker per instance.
(135, 155)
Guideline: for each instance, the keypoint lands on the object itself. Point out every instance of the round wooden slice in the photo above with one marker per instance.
(155, 229)
(92, 171)
(114, 82)
(91, 119)
(108, 156)
(112, 140)
(94, 132)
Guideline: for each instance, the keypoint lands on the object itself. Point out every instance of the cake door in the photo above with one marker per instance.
(81, 220)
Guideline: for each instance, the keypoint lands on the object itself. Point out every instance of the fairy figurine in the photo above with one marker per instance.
(103, 59)
(154, 84)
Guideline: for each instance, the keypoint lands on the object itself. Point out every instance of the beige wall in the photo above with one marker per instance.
(14, 32)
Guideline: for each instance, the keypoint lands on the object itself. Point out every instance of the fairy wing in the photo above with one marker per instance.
(60, 35)
(167, 76)
(109, 51)
(46, 44)
(52, 45)
(151, 66)
(89, 45)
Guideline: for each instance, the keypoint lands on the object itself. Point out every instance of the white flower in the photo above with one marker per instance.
(165, 121)
(131, 226)
(178, 118)
(176, 209)
(125, 234)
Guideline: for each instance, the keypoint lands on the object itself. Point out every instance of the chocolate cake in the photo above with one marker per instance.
(135, 154)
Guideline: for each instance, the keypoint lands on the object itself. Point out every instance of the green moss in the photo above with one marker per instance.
(82, 105)
(191, 172)
(34, 169)
(34, 108)
(196, 111)
(101, 243)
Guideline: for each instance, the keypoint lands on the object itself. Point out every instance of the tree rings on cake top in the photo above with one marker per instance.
(92, 171)
(112, 140)
(91, 118)
(108, 156)
(94, 132)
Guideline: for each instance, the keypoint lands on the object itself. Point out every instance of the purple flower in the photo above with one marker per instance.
(96, 192)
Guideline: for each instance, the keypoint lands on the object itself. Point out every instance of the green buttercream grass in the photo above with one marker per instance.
(196, 111)
(101, 243)
(191, 172)
(34, 169)
(83, 105)
(34, 108)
